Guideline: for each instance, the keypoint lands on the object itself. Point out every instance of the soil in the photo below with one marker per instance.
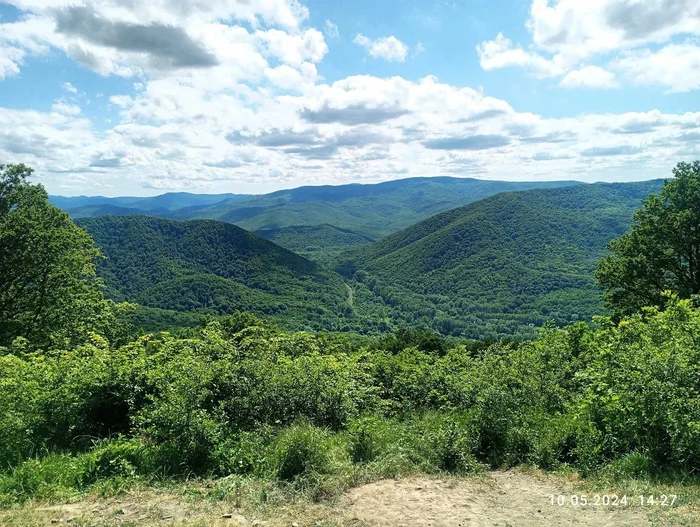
(502, 499)
(496, 499)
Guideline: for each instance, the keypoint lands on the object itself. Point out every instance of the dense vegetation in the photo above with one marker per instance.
(317, 242)
(48, 291)
(502, 265)
(243, 399)
(370, 211)
(212, 267)
(662, 250)
(497, 268)
(238, 397)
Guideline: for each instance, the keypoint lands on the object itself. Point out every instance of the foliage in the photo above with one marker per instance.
(209, 267)
(48, 290)
(661, 252)
(311, 220)
(300, 450)
(239, 397)
(500, 267)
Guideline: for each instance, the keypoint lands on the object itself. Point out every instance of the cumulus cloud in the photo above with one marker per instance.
(589, 28)
(474, 142)
(500, 53)
(294, 49)
(483, 116)
(590, 77)
(606, 151)
(168, 46)
(387, 48)
(568, 33)
(10, 60)
(241, 105)
(352, 115)
(136, 38)
(675, 67)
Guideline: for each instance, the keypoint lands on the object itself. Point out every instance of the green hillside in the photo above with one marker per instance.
(165, 202)
(91, 211)
(212, 267)
(314, 241)
(342, 216)
(370, 210)
(504, 264)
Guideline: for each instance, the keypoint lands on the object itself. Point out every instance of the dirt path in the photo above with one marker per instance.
(498, 499)
(502, 499)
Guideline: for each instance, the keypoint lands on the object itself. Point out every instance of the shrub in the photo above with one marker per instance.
(300, 450)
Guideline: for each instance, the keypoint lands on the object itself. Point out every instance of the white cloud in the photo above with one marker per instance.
(66, 109)
(500, 53)
(331, 29)
(283, 13)
(253, 113)
(294, 49)
(10, 60)
(288, 78)
(48, 141)
(387, 48)
(596, 26)
(675, 67)
(69, 87)
(568, 33)
(181, 35)
(590, 77)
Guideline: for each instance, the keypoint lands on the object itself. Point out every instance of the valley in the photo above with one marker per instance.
(499, 267)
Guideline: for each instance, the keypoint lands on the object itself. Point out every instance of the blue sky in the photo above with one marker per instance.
(114, 97)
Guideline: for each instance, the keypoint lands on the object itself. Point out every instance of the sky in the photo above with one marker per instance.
(132, 97)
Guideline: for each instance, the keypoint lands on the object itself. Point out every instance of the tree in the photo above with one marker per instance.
(48, 291)
(661, 252)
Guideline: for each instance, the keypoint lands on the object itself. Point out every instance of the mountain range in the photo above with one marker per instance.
(359, 213)
(501, 265)
(212, 267)
(504, 263)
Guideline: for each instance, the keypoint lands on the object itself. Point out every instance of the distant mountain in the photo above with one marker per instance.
(92, 211)
(213, 267)
(371, 211)
(308, 240)
(499, 265)
(166, 202)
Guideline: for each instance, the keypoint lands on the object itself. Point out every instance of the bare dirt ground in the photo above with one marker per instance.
(497, 499)
(505, 498)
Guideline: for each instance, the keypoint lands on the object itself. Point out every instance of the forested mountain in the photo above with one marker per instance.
(371, 210)
(213, 267)
(368, 211)
(500, 265)
(92, 211)
(162, 204)
(315, 241)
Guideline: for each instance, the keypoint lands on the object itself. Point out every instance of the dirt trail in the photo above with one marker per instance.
(502, 499)
(498, 499)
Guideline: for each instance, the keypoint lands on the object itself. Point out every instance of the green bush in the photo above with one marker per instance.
(298, 406)
(300, 450)
(449, 442)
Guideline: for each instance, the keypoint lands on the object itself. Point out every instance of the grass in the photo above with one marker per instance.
(250, 500)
